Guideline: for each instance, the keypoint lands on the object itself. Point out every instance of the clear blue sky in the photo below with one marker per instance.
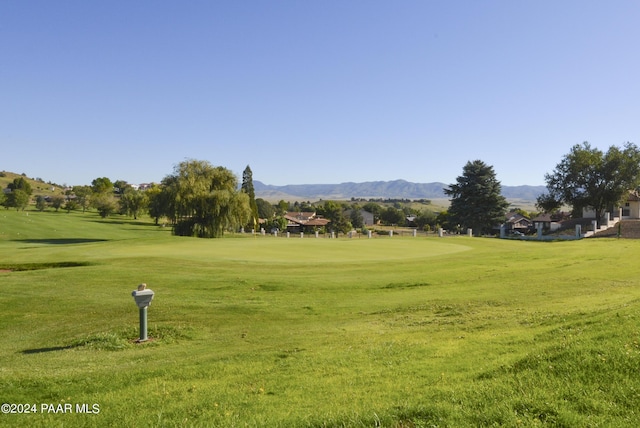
(308, 92)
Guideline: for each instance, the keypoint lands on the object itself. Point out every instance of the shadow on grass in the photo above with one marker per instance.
(61, 241)
(126, 222)
(37, 266)
(124, 339)
(50, 349)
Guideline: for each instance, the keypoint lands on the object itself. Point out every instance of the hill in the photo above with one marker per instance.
(38, 185)
(378, 189)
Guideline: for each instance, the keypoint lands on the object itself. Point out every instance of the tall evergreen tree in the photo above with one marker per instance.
(476, 199)
(247, 187)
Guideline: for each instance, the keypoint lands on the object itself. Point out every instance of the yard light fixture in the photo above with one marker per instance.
(143, 297)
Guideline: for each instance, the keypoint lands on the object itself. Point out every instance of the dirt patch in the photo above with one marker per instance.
(629, 229)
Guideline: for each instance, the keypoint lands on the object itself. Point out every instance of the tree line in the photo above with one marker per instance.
(199, 199)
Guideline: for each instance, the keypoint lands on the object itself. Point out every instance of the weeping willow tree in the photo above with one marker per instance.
(203, 200)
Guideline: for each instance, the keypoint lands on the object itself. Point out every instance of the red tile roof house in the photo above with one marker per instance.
(304, 222)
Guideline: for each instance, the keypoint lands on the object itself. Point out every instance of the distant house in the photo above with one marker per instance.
(145, 186)
(518, 222)
(367, 217)
(550, 222)
(304, 221)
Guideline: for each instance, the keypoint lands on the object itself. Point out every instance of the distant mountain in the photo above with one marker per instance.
(400, 189)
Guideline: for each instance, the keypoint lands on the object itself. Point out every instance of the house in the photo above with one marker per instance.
(548, 221)
(145, 186)
(304, 221)
(630, 208)
(517, 222)
(367, 217)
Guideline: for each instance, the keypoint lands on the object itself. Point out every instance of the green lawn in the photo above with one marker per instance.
(259, 331)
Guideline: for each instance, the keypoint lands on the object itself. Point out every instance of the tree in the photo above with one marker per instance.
(206, 200)
(265, 209)
(121, 186)
(166, 202)
(19, 195)
(157, 202)
(71, 205)
(426, 220)
(374, 209)
(132, 202)
(282, 207)
(476, 199)
(41, 203)
(83, 196)
(247, 187)
(20, 184)
(18, 199)
(57, 201)
(357, 221)
(588, 178)
(105, 203)
(392, 216)
(102, 185)
(334, 212)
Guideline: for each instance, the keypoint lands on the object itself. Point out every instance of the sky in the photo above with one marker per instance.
(313, 92)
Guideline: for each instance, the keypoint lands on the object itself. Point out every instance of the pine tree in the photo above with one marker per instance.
(476, 199)
(247, 187)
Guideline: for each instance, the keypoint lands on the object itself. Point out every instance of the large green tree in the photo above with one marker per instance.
(476, 199)
(105, 203)
(83, 196)
(426, 220)
(18, 199)
(392, 216)
(265, 209)
(589, 178)
(206, 199)
(20, 184)
(133, 201)
(334, 212)
(57, 201)
(19, 195)
(157, 202)
(102, 185)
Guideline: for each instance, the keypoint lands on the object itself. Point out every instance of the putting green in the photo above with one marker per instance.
(294, 250)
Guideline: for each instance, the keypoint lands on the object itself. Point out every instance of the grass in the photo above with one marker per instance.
(261, 331)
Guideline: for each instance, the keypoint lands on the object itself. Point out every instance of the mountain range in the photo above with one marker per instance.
(396, 189)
